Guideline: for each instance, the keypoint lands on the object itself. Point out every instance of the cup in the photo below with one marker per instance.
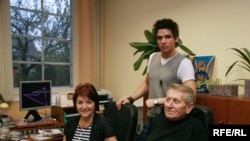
(23, 121)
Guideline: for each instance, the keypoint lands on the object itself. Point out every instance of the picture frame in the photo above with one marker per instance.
(203, 67)
(66, 99)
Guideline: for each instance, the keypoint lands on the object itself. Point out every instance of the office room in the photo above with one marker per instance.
(106, 27)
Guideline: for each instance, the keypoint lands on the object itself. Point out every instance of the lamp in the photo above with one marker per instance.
(3, 104)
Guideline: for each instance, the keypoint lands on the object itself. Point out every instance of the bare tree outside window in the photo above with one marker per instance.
(41, 41)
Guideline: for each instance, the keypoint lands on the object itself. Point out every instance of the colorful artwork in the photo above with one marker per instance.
(203, 66)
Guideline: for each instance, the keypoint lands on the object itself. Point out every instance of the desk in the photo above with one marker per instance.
(49, 139)
(30, 128)
(49, 122)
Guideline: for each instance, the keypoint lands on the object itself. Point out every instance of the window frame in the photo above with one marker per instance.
(6, 73)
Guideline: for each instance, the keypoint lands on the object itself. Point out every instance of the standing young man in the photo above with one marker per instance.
(164, 67)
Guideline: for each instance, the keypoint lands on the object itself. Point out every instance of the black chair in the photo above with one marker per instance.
(123, 121)
(203, 113)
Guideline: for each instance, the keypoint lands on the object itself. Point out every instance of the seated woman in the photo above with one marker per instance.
(88, 126)
(175, 123)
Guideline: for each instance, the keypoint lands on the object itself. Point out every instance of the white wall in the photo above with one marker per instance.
(208, 27)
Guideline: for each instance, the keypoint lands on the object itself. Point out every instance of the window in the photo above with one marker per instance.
(41, 41)
(80, 50)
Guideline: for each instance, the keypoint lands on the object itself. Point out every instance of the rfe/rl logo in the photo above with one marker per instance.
(228, 132)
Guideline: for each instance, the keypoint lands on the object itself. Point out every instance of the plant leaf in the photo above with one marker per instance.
(247, 55)
(144, 55)
(247, 52)
(141, 44)
(230, 68)
(244, 54)
(186, 49)
(150, 36)
(245, 66)
(145, 70)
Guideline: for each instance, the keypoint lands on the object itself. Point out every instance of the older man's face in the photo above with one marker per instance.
(175, 107)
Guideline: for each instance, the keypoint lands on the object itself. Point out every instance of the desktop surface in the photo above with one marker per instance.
(18, 124)
(30, 131)
(47, 134)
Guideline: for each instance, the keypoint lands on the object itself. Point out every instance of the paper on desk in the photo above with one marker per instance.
(49, 132)
(39, 137)
(46, 134)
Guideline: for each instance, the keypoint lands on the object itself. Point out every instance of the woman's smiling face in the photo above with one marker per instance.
(85, 106)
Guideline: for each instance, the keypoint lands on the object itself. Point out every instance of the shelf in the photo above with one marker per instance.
(226, 109)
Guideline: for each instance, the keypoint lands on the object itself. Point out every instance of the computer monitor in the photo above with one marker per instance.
(34, 95)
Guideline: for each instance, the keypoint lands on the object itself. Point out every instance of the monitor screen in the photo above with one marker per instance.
(34, 95)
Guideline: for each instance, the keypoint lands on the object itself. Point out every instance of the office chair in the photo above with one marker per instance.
(123, 121)
(203, 113)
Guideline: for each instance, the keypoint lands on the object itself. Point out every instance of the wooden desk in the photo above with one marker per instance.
(31, 128)
(50, 139)
(49, 122)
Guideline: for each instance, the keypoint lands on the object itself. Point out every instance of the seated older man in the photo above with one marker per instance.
(175, 123)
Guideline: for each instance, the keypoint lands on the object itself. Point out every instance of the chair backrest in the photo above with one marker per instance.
(124, 121)
(203, 113)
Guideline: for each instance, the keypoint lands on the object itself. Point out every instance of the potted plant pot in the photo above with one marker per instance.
(224, 90)
(247, 88)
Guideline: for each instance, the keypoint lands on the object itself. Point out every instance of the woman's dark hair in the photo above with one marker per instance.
(87, 90)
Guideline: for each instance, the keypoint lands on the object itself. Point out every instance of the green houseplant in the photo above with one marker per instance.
(232, 89)
(146, 48)
(244, 63)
